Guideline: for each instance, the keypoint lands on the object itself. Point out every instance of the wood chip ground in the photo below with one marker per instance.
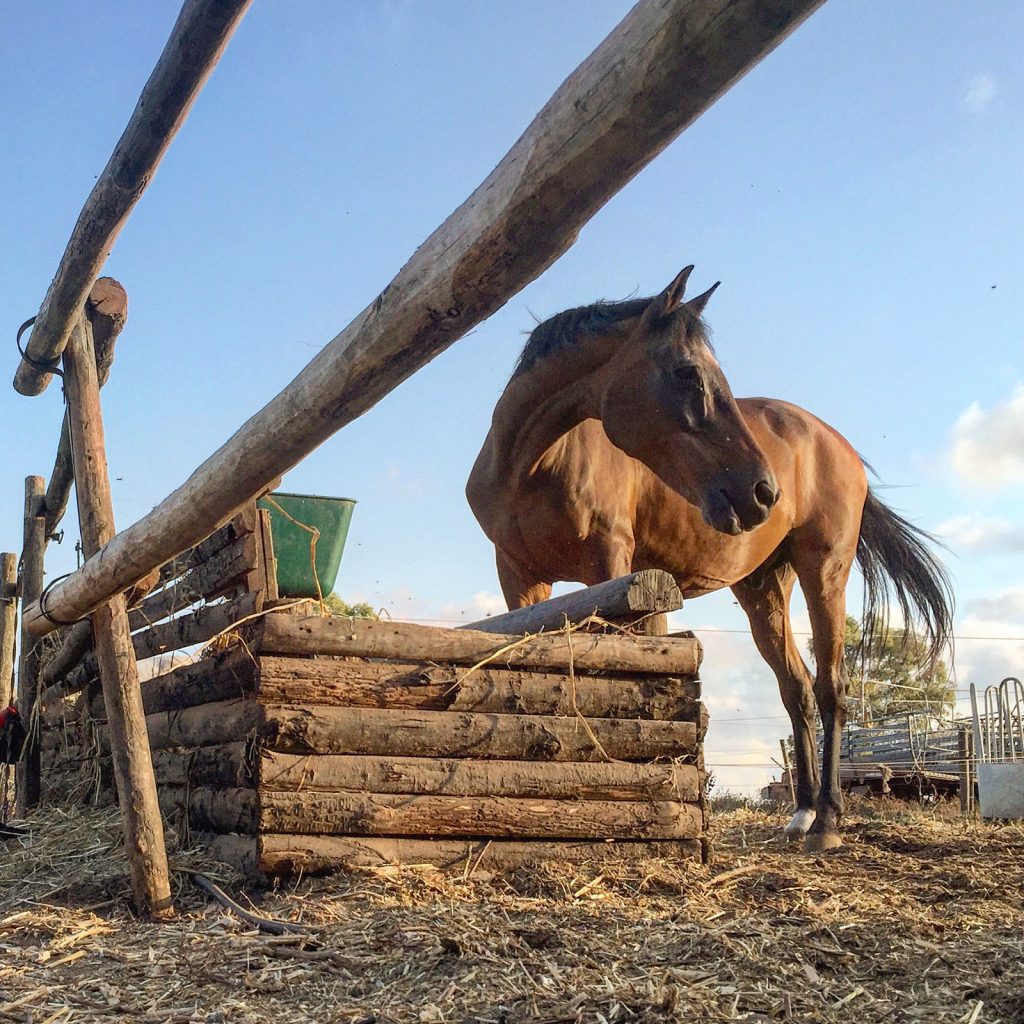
(918, 919)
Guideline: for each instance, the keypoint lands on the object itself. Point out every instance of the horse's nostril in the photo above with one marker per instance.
(766, 493)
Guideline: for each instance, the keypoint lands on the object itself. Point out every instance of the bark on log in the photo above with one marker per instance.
(133, 768)
(195, 628)
(225, 677)
(426, 686)
(227, 766)
(32, 552)
(76, 646)
(107, 309)
(212, 810)
(422, 776)
(654, 74)
(404, 641)
(242, 525)
(644, 592)
(8, 624)
(498, 816)
(284, 855)
(222, 573)
(205, 726)
(193, 49)
(394, 733)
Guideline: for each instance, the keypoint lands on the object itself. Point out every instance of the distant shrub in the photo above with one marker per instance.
(337, 605)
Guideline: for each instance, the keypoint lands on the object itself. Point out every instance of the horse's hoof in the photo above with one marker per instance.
(798, 825)
(818, 842)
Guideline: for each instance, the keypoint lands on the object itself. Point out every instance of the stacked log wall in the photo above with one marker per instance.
(310, 743)
(227, 577)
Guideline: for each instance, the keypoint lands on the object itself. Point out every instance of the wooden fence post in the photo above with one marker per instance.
(108, 311)
(33, 548)
(133, 764)
(8, 624)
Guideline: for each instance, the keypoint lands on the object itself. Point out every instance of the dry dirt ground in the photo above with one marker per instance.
(918, 918)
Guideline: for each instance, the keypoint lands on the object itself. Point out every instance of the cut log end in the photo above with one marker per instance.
(108, 298)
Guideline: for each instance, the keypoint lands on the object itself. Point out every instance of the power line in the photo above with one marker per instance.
(740, 632)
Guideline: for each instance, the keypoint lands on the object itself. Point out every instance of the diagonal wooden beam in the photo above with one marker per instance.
(655, 74)
(196, 42)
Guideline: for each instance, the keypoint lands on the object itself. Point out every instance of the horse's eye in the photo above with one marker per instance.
(688, 377)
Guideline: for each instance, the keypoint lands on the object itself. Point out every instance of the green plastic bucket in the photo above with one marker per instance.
(331, 516)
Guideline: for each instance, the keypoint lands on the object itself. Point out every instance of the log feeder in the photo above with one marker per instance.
(314, 743)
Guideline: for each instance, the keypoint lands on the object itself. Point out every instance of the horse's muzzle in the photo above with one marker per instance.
(732, 513)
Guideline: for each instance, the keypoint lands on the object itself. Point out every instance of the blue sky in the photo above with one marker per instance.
(858, 194)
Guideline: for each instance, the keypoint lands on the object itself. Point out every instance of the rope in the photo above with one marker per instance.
(315, 536)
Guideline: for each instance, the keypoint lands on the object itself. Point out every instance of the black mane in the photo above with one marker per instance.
(565, 329)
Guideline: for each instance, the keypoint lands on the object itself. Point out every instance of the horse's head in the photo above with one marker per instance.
(666, 402)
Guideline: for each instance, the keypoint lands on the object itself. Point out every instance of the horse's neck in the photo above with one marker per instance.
(545, 402)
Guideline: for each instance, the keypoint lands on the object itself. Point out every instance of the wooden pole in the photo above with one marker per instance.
(789, 773)
(8, 624)
(33, 548)
(654, 75)
(195, 45)
(133, 765)
(650, 590)
(107, 310)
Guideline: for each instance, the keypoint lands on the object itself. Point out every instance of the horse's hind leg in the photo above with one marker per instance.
(767, 608)
(518, 586)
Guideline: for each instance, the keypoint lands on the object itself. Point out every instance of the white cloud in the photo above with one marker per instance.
(999, 610)
(980, 91)
(988, 444)
(479, 606)
(987, 651)
(406, 605)
(975, 533)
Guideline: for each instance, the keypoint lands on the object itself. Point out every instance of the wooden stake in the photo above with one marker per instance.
(666, 63)
(33, 547)
(8, 624)
(108, 311)
(133, 766)
(788, 771)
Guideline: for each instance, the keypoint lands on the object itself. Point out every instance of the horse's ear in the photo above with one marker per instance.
(697, 304)
(668, 300)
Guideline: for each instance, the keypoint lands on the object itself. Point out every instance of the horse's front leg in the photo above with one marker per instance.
(824, 588)
(519, 586)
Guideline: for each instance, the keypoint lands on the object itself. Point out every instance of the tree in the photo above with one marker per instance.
(337, 605)
(894, 674)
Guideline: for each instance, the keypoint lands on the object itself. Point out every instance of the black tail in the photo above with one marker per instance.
(895, 559)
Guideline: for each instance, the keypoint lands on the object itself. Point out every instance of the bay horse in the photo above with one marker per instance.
(617, 445)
